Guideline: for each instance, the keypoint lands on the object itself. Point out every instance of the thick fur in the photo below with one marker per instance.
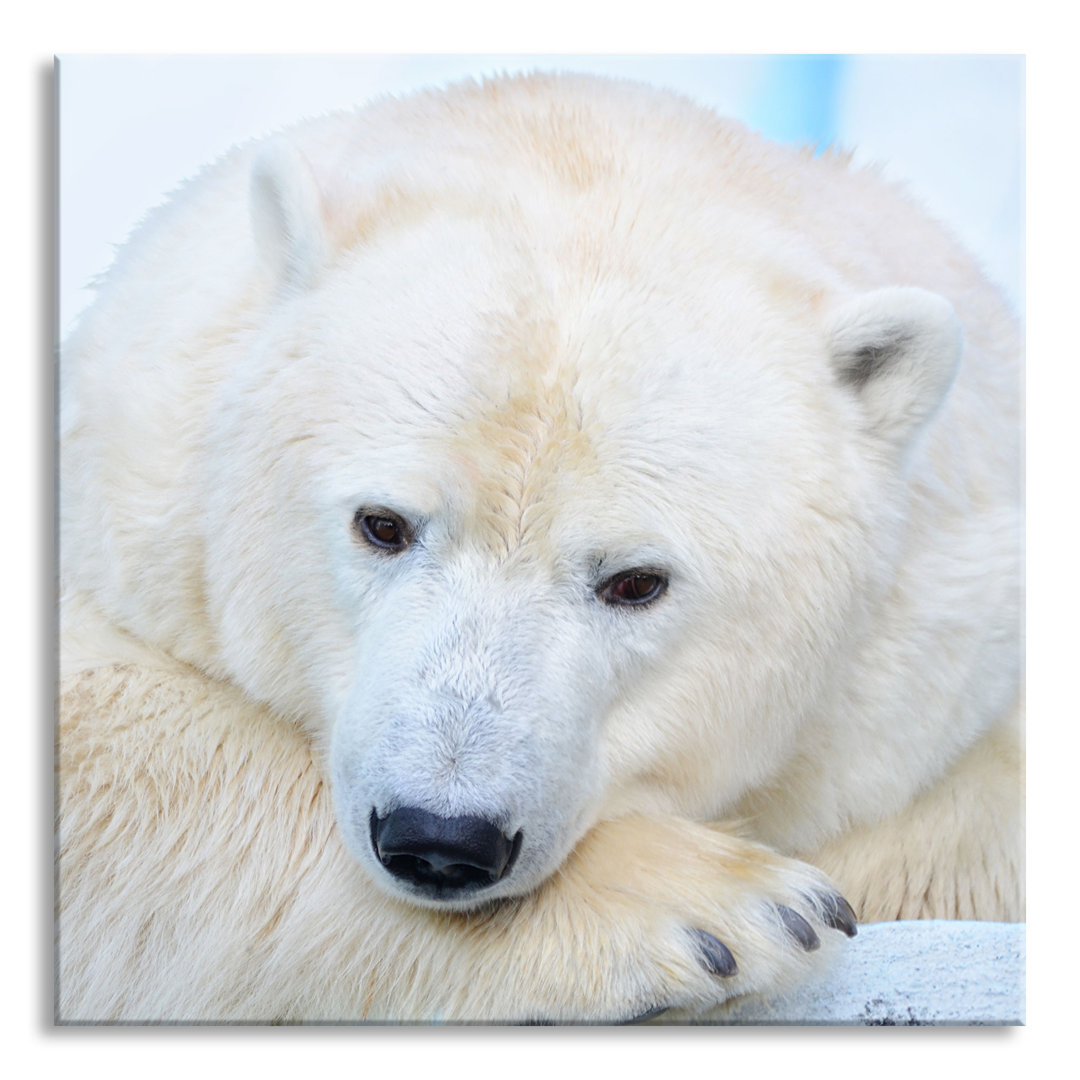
(565, 329)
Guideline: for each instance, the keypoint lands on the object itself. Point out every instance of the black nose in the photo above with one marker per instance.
(445, 856)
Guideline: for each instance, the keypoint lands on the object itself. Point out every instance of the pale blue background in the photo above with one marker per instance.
(132, 127)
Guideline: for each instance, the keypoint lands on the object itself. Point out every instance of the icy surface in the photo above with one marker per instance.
(910, 973)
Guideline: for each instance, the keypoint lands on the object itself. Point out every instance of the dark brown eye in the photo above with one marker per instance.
(383, 530)
(635, 588)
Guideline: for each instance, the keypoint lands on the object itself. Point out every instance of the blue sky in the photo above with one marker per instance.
(796, 101)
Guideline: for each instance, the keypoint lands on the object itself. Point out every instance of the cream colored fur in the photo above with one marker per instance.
(566, 328)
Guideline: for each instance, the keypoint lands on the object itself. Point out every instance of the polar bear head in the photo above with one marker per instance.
(542, 463)
(537, 498)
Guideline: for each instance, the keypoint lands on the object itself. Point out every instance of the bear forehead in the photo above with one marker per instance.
(529, 374)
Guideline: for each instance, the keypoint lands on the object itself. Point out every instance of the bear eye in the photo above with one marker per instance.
(383, 529)
(635, 588)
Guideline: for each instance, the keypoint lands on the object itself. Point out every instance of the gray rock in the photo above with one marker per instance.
(909, 973)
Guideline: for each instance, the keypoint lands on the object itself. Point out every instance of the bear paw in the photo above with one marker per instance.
(651, 917)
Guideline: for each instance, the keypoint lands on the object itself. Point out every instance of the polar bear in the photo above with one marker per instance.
(534, 551)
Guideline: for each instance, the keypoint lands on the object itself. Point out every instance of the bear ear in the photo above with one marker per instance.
(287, 215)
(898, 349)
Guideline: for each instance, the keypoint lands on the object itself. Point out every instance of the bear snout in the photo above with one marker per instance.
(442, 857)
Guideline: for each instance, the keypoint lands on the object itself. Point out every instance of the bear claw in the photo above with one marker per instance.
(838, 913)
(798, 928)
(714, 955)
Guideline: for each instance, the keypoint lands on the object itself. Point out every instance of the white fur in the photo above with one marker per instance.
(910, 342)
(562, 344)
(287, 215)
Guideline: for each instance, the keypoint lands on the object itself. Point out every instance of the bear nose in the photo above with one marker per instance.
(443, 855)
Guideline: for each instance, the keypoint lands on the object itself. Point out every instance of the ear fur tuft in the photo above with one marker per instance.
(898, 349)
(287, 215)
